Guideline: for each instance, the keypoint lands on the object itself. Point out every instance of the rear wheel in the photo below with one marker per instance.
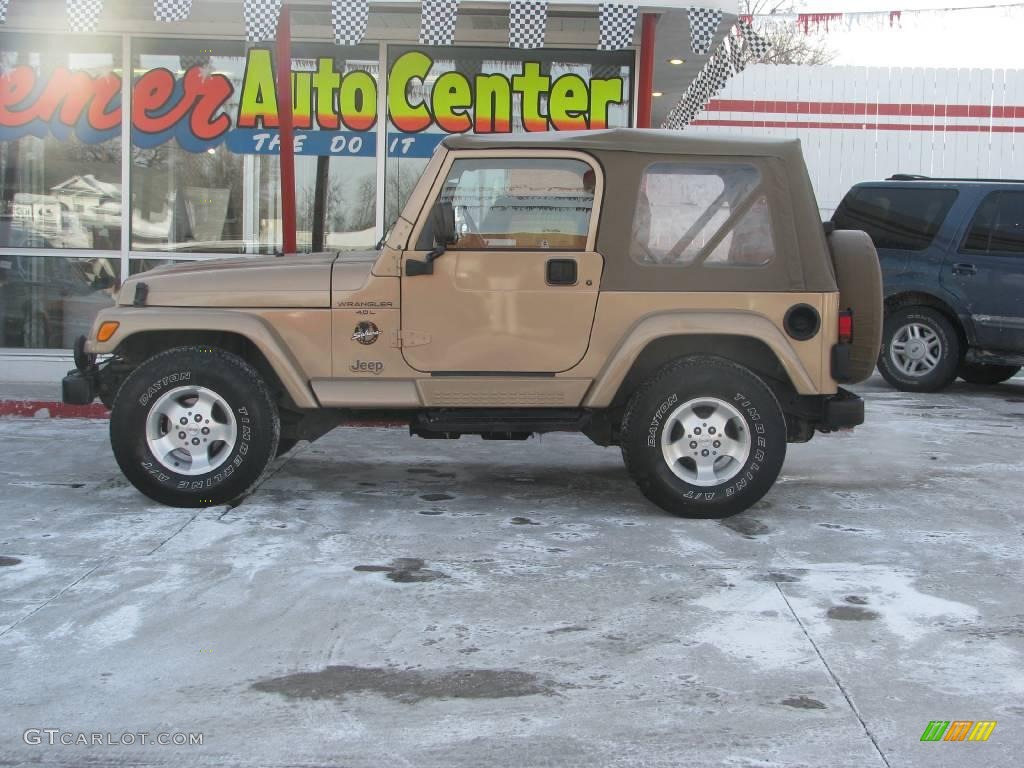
(194, 426)
(981, 373)
(920, 350)
(705, 438)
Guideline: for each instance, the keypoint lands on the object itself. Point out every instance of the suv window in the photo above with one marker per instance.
(708, 213)
(896, 217)
(998, 225)
(521, 203)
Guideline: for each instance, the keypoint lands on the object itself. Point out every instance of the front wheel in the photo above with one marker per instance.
(704, 438)
(194, 426)
(983, 373)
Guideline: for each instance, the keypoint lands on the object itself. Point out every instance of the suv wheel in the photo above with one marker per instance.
(920, 350)
(704, 438)
(194, 426)
(982, 373)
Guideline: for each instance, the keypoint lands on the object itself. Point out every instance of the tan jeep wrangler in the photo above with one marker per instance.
(678, 297)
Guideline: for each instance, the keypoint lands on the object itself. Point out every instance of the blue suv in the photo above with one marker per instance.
(952, 255)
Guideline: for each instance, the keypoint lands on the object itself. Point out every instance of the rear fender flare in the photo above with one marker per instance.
(743, 324)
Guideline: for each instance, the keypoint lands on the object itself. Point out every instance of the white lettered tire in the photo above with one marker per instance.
(194, 426)
(704, 438)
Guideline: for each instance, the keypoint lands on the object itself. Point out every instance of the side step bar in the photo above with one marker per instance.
(496, 423)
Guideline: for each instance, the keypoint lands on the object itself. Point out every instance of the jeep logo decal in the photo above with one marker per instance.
(363, 366)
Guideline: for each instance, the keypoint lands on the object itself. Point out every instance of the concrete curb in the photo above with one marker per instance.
(52, 409)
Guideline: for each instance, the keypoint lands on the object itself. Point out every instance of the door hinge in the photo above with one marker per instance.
(405, 339)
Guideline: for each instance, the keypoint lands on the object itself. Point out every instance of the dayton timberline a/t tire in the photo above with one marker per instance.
(193, 427)
(704, 438)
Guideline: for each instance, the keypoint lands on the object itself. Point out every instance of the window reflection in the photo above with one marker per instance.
(60, 146)
(46, 302)
(224, 197)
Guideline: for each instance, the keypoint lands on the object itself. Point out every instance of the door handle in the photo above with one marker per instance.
(562, 272)
(964, 269)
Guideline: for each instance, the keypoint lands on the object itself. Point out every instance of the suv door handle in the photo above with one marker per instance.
(562, 272)
(964, 269)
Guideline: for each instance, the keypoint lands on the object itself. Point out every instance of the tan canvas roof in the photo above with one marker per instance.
(647, 141)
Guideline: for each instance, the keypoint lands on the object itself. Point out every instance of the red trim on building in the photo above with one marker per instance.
(767, 106)
(645, 77)
(54, 409)
(284, 110)
(928, 127)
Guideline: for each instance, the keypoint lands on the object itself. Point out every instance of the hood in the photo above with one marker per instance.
(300, 281)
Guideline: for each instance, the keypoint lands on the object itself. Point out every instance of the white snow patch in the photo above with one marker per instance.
(113, 628)
(903, 609)
(751, 622)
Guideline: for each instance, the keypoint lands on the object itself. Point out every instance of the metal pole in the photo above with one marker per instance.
(284, 110)
(646, 76)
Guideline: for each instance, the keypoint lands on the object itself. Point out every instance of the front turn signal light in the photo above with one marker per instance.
(108, 329)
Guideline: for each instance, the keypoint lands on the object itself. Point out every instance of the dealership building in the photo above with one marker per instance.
(374, 87)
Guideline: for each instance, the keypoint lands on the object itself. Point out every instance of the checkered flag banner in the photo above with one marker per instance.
(708, 83)
(703, 25)
(720, 71)
(618, 25)
(261, 19)
(3, 11)
(83, 14)
(737, 56)
(187, 62)
(757, 46)
(350, 18)
(527, 22)
(437, 22)
(171, 10)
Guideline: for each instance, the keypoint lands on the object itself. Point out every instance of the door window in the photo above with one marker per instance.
(521, 203)
(896, 217)
(998, 225)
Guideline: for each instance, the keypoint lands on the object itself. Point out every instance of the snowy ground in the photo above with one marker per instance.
(384, 600)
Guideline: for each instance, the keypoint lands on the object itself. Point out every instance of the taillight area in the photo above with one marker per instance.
(846, 326)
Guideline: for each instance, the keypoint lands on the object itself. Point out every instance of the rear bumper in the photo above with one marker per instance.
(842, 410)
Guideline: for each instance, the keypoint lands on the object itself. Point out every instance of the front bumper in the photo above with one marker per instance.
(82, 385)
(843, 410)
(78, 389)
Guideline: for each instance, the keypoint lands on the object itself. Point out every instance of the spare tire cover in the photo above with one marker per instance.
(859, 276)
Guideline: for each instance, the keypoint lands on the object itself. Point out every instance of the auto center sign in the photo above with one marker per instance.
(335, 113)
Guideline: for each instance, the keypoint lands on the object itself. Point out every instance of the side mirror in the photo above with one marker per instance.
(442, 224)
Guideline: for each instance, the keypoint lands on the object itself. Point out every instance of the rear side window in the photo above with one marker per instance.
(998, 225)
(713, 214)
(902, 218)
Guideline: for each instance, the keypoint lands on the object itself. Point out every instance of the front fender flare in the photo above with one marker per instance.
(163, 319)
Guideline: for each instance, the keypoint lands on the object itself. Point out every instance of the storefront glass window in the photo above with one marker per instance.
(205, 154)
(46, 302)
(437, 91)
(60, 142)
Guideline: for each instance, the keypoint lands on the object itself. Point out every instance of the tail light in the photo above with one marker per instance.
(846, 326)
